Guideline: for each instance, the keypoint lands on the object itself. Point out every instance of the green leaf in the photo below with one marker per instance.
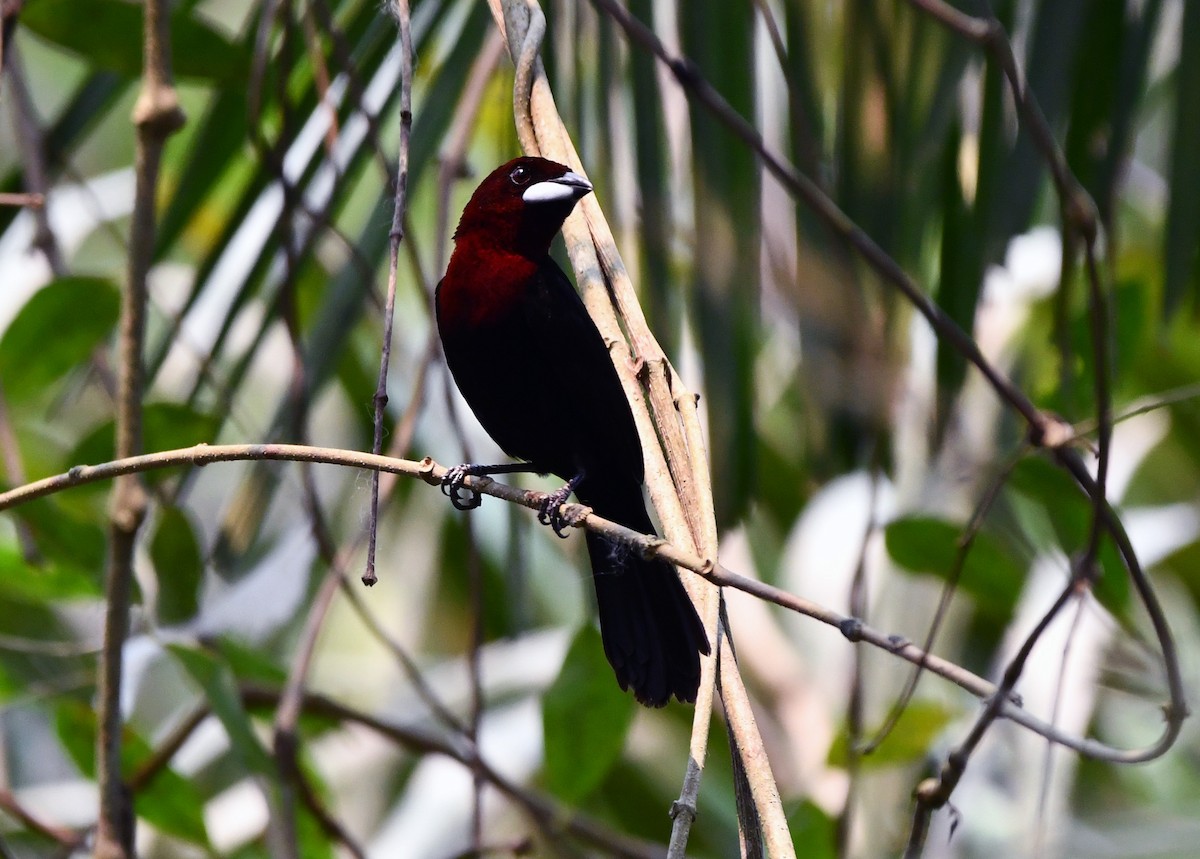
(726, 277)
(1054, 488)
(75, 723)
(249, 663)
(1181, 256)
(170, 803)
(221, 692)
(990, 573)
(109, 34)
(1184, 563)
(57, 330)
(165, 426)
(312, 838)
(46, 581)
(908, 742)
(178, 566)
(1054, 513)
(63, 536)
(29, 619)
(815, 829)
(584, 719)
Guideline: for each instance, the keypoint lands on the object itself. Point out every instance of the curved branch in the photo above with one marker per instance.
(650, 546)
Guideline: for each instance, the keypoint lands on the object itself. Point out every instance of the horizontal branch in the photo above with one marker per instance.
(583, 517)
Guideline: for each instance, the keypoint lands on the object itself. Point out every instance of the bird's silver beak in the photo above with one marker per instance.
(568, 187)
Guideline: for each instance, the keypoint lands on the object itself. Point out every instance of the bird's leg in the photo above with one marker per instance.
(465, 498)
(550, 509)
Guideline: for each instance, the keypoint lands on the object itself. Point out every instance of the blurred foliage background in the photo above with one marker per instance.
(843, 435)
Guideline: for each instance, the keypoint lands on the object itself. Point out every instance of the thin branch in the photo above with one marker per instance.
(676, 466)
(857, 603)
(1048, 761)
(551, 817)
(161, 758)
(649, 546)
(1141, 406)
(934, 793)
(156, 115)
(32, 151)
(395, 237)
(65, 838)
(34, 201)
(1079, 214)
(965, 541)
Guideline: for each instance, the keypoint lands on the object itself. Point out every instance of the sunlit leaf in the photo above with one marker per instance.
(909, 742)
(990, 573)
(46, 581)
(56, 331)
(112, 37)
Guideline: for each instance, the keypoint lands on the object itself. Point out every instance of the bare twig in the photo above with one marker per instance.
(857, 603)
(1079, 215)
(650, 546)
(161, 758)
(965, 541)
(934, 793)
(1048, 760)
(34, 201)
(32, 152)
(395, 237)
(676, 466)
(156, 115)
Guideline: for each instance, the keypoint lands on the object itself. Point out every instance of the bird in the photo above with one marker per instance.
(534, 369)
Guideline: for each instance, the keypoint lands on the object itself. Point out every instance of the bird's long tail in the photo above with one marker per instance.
(652, 635)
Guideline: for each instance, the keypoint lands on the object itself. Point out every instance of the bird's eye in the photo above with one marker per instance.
(519, 175)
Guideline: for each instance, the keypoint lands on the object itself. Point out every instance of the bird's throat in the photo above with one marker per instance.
(482, 287)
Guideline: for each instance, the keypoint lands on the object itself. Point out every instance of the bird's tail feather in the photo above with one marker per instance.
(652, 635)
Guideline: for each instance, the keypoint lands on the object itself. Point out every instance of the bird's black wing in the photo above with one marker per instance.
(585, 381)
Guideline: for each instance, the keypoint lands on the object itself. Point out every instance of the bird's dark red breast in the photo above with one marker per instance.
(533, 368)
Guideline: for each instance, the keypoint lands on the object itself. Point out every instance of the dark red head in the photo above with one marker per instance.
(520, 206)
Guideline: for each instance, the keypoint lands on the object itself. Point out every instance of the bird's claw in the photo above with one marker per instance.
(462, 497)
(550, 510)
(550, 513)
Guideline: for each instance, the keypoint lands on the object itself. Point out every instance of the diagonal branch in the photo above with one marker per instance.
(834, 218)
(676, 465)
(650, 546)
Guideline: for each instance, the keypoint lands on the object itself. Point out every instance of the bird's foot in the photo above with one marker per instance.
(462, 497)
(550, 509)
